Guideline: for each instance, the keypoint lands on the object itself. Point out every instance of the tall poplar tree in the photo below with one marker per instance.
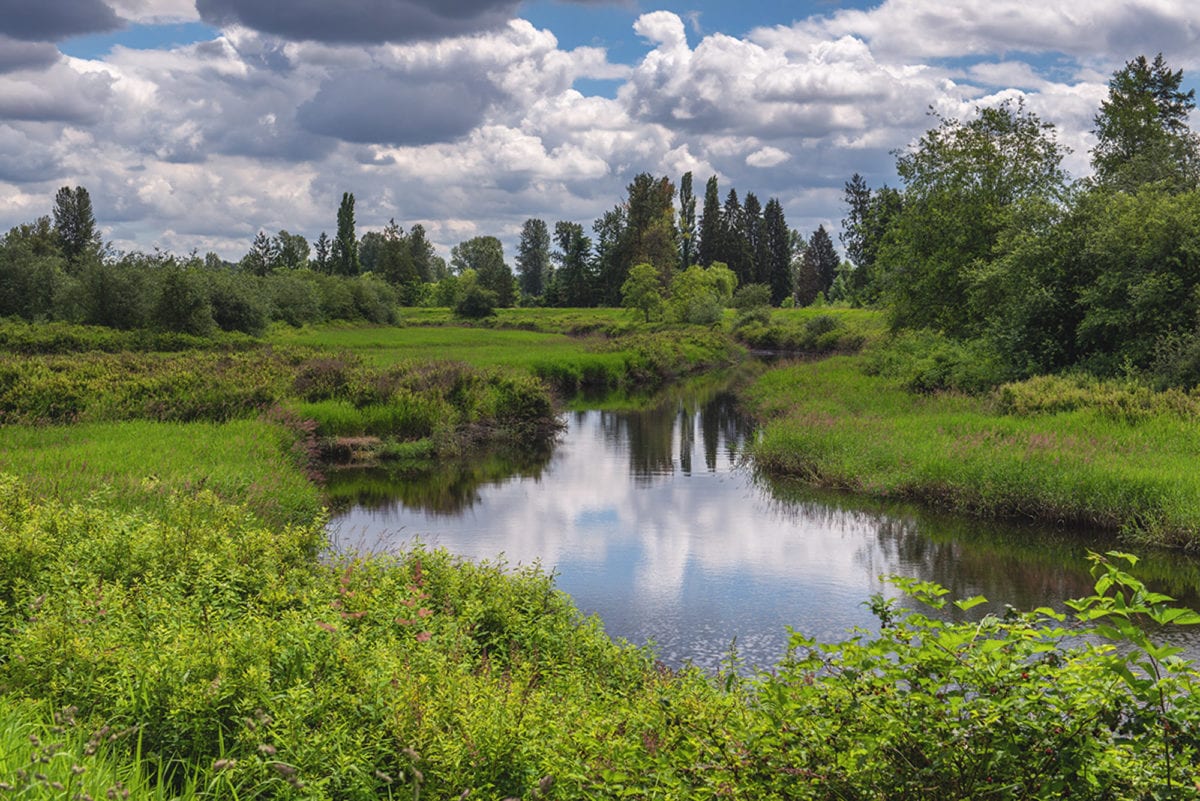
(687, 222)
(345, 246)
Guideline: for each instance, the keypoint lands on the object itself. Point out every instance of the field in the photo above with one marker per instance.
(172, 627)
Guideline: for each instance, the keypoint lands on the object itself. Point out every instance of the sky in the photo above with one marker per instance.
(194, 124)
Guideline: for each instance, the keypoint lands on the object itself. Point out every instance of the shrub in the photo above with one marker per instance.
(475, 303)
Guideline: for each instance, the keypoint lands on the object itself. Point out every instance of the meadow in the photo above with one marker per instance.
(172, 626)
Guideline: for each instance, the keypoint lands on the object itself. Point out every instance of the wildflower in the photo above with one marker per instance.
(267, 748)
(424, 636)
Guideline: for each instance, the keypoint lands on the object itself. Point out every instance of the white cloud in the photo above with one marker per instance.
(203, 145)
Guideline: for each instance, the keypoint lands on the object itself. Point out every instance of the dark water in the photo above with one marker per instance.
(653, 521)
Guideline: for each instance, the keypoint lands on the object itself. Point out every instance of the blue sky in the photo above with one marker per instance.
(196, 123)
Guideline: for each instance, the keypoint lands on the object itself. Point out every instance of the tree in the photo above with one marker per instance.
(755, 240)
(261, 258)
(687, 222)
(650, 235)
(1142, 129)
(75, 225)
(485, 255)
(609, 259)
(735, 244)
(823, 257)
(573, 278)
(345, 245)
(963, 183)
(393, 260)
(711, 239)
(533, 257)
(778, 244)
(183, 303)
(699, 294)
(424, 259)
(322, 252)
(643, 291)
(291, 251)
(854, 225)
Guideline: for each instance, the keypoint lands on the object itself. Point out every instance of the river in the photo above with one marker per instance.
(654, 520)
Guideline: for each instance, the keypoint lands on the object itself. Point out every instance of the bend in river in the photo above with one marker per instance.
(652, 520)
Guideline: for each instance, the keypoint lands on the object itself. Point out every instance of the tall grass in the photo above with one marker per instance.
(140, 464)
(831, 424)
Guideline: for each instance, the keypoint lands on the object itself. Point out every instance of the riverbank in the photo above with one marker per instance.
(1072, 451)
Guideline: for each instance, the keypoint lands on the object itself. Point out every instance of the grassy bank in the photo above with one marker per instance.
(1051, 449)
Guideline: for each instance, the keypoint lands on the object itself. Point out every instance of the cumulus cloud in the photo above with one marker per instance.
(1098, 29)
(50, 20)
(396, 109)
(360, 20)
(55, 94)
(16, 55)
(258, 128)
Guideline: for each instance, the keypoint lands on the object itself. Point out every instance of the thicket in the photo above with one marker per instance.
(165, 294)
(196, 652)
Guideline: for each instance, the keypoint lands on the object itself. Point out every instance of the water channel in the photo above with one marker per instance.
(653, 520)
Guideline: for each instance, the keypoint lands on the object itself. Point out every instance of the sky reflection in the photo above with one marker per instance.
(651, 521)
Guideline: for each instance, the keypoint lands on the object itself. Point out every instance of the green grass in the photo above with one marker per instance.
(141, 464)
(565, 362)
(830, 424)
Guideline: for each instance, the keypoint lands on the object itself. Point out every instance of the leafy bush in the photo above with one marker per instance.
(751, 296)
(475, 303)
(929, 362)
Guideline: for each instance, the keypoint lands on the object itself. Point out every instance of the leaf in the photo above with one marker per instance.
(970, 603)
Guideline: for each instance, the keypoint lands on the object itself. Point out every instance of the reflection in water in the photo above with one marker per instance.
(694, 558)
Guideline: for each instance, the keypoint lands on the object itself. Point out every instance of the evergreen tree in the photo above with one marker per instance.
(75, 225)
(345, 246)
(711, 244)
(533, 257)
(687, 222)
(755, 242)
(393, 257)
(778, 244)
(1142, 129)
(322, 254)
(260, 259)
(824, 258)
(736, 253)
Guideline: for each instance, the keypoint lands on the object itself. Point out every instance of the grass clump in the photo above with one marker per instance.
(833, 425)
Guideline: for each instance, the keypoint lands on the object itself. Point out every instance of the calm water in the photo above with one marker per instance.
(652, 521)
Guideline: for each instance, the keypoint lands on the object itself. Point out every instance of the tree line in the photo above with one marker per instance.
(58, 268)
(988, 241)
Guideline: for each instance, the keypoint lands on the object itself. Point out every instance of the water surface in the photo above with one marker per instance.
(653, 520)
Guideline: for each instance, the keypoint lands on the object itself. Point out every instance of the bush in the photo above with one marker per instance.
(476, 303)
(929, 362)
(751, 296)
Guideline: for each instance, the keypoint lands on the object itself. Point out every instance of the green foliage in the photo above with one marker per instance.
(642, 290)
(700, 294)
(751, 296)
(927, 362)
(1142, 132)
(476, 302)
(832, 425)
(961, 182)
(1010, 706)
